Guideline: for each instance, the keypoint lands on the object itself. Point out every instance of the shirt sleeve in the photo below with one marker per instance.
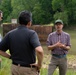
(4, 44)
(49, 42)
(35, 40)
(68, 41)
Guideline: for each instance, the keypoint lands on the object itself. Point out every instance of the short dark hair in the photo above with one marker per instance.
(25, 17)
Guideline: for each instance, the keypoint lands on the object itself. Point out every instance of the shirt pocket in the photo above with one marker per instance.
(63, 40)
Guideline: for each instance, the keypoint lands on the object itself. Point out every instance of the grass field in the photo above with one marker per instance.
(6, 63)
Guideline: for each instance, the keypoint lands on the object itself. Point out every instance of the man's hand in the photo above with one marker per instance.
(64, 46)
(5, 54)
(38, 67)
(58, 44)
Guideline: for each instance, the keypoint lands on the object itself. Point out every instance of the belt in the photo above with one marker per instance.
(23, 65)
(59, 56)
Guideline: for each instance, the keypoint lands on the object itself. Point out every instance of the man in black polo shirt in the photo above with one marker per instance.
(24, 45)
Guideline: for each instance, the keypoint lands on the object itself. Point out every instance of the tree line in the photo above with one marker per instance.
(43, 11)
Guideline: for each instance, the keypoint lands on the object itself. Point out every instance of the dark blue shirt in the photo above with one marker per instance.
(21, 43)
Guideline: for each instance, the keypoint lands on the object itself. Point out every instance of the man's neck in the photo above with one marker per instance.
(59, 31)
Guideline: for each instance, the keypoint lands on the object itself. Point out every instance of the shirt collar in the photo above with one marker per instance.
(59, 33)
(22, 26)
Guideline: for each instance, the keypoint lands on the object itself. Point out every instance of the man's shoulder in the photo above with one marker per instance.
(32, 31)
(53, 33)
(66, 33)
(12, 30)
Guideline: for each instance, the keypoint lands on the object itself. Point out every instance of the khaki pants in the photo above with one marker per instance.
(61, 63)
(18, 70)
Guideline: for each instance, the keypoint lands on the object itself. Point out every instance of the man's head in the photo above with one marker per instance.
(58, 25)
(1, 15)
(25, 17)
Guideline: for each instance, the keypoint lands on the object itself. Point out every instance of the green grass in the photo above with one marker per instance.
(69, 72)
(5, 66)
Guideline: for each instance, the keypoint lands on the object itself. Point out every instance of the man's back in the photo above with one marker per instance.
(20, 38)
(22, 44)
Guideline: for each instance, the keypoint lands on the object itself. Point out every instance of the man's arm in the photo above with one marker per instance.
(51, 47)
(40, 54)
(60, 45)
(65, 47)
(34, 40)
(4, 54)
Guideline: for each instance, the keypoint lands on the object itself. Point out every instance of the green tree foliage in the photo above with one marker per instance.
(44, 11)
(17, 6)
(6, 8)
(65, 10)
(62, 15)
(46, 6)
(60, 12)
(71, 7)
(38, 14)
(20, 5)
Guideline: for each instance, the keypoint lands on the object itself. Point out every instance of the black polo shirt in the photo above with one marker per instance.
(21, 43)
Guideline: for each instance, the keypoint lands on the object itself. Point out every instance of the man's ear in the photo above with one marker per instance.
(29, 24)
